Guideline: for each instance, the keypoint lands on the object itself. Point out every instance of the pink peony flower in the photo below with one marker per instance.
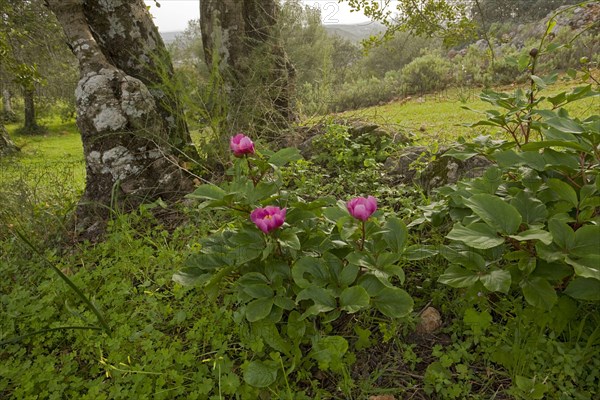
(362, 208)
(241, 144)
(269, 218)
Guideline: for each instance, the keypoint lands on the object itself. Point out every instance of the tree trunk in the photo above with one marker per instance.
(30, 126)
(6, 145)
(131, 127)
(8, 115)
(241, 41)
(126, 35)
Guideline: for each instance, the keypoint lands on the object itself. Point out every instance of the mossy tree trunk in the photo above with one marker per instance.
(6, 145)
(8, 115)
(241, 40)
(131, 124)
(30, 125)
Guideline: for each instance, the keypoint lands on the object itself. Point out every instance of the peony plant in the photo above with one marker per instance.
(290, 284)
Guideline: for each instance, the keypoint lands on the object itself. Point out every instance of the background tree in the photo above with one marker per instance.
(516, 11)
(446, 19)
(131, 125)
(242, 46)
(35, 54)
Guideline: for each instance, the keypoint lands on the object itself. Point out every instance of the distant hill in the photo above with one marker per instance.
(169, 37)
(354, 32)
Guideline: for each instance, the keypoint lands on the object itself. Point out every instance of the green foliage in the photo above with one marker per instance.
(532, 221)
(449, 20)
(289, 286)
(427, 73)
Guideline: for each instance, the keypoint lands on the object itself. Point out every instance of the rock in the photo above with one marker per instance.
(416, 164)
(382, 397)
(430, 321)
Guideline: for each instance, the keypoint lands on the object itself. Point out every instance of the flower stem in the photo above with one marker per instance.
(362, 241)
(250, 170)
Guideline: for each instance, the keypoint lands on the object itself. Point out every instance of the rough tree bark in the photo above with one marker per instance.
(8, 115)
(240, 36)
(30, 125)
(130, 125)
(6, 145)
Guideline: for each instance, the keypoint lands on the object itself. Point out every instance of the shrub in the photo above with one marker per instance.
(427, 73)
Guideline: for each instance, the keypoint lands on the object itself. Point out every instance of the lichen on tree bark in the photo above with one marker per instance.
(126, 129)
(241, 40)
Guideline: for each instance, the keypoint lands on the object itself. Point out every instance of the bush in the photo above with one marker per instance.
(427, 73)
(366, 92)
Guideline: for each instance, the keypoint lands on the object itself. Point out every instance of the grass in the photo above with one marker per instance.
(171, 342)
(59, 150)
(439, 118)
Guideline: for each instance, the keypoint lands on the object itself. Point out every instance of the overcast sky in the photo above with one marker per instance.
(173, 15)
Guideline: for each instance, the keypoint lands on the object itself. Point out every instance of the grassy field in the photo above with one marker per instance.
(440, 117)
(168, 341)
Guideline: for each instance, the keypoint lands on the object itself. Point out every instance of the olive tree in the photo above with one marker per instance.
(132, 127)
(242, 45)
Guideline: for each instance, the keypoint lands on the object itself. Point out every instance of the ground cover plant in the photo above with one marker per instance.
(315, 278)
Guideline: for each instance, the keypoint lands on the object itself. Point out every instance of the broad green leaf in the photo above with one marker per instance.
(533, 146)
(263, 191)
(539, 293)
(584, 289)
(371, 284)
(192, 276)
(312, 266)
(468, 259)
(586, 267)
(318, 295)
(288, 238)
(531, 209)
(387, 259)
(534, 234)
(353, 299)
(476, 235)
(496, 281)
(562, 234)
(258, 309)
(348, 275)
(538, 81)
(393, 302)
(495, 212)
(565, 125)
(268, 332)
(458, 277)
(285, 156)
(208, 191)
(419, 252)
(258, 291)
(284, 302)
(260, 374)
(396, 234)
(563, 190)
(587, 241)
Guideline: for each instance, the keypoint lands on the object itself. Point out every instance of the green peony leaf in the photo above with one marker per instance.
(496, 281)
(259, 309)
(353, 299)
(584, 289)
(458, 277)
(260, 374)
(393, 302)
(539, 293)
(495, 212)
(476, 235)
(563, 190)
(396, 234)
